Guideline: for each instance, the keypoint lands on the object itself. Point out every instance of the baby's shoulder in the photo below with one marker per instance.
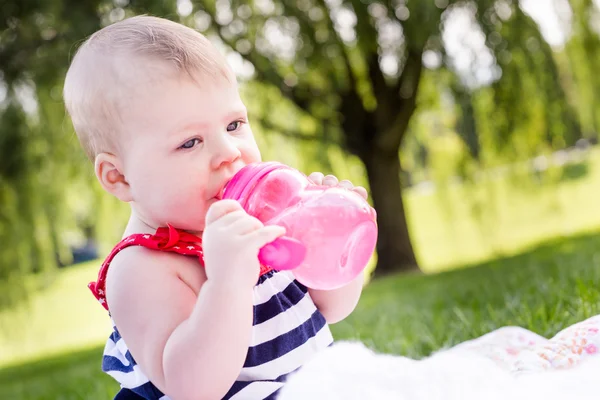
(138, 267)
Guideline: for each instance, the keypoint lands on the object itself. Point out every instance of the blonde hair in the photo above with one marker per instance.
(104, 68)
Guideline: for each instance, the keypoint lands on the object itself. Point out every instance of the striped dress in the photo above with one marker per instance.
(287, 328)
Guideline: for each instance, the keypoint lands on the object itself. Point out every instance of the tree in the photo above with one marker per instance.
(335, 75)
(582, 59)
(40, 160)
(353, 67)
(529, 71)
(357, 66)
(35, 149)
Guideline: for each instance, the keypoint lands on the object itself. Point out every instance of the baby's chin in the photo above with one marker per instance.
(195, 233)
(194, 226)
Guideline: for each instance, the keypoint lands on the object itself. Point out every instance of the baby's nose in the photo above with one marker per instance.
(225, 152)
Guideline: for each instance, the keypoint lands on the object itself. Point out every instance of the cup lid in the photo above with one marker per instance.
(246, 179)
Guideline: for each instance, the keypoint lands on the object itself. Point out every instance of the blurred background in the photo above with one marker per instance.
(472, 123)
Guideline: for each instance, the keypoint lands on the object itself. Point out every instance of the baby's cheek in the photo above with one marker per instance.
(193, 210)
(201, 209)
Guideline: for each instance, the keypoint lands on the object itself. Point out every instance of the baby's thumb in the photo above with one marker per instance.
(267, 234)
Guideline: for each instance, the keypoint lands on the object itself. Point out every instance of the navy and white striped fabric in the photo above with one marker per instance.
(287, 331)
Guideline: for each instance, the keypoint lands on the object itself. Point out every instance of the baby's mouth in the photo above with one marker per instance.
(219, 195)
(221, 192)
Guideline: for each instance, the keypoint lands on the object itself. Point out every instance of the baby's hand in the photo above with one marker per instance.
(231, 241)
(330, 180)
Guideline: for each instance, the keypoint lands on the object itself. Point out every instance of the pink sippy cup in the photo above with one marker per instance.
(330, 231)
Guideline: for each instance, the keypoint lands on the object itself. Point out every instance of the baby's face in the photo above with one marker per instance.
(182, 143)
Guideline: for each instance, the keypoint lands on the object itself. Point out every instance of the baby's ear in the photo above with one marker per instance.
(109, 172)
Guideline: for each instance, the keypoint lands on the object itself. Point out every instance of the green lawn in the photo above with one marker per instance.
(532, 263)
(63, 317)
(501, 216)
(544, 289)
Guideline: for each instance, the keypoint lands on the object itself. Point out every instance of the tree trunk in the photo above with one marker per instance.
(394, 249)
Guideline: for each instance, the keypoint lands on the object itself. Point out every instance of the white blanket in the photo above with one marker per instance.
(349, 370)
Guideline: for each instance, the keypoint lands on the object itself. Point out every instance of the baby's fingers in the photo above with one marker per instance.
(266, 235)
(220, 209)
(346, 184)
(245, 225)
(316, 178)
(330, 180)
(361, 191)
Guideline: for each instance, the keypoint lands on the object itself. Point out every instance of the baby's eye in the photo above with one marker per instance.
(190, 143)
(233, 126)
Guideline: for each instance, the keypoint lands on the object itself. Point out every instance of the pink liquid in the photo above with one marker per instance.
(336, 228)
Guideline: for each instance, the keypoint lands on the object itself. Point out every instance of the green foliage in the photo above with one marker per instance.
(311, 107)
(582, 60)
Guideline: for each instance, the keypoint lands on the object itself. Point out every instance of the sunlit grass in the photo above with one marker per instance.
(544, 289)
(63, 316)
(499, 217)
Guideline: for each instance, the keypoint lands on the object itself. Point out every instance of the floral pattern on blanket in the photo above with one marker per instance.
(521, 351)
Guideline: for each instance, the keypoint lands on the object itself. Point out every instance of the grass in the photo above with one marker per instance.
(63, 317)
(504, 253)
(544, 289)
(69, 376)
(502, 215)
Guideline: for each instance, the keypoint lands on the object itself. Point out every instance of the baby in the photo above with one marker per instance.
(195, 315)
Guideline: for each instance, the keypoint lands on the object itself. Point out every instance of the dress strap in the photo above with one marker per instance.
(165, 239)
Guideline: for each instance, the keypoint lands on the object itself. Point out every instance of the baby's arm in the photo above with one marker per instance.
(191, 346)
(335, 305)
